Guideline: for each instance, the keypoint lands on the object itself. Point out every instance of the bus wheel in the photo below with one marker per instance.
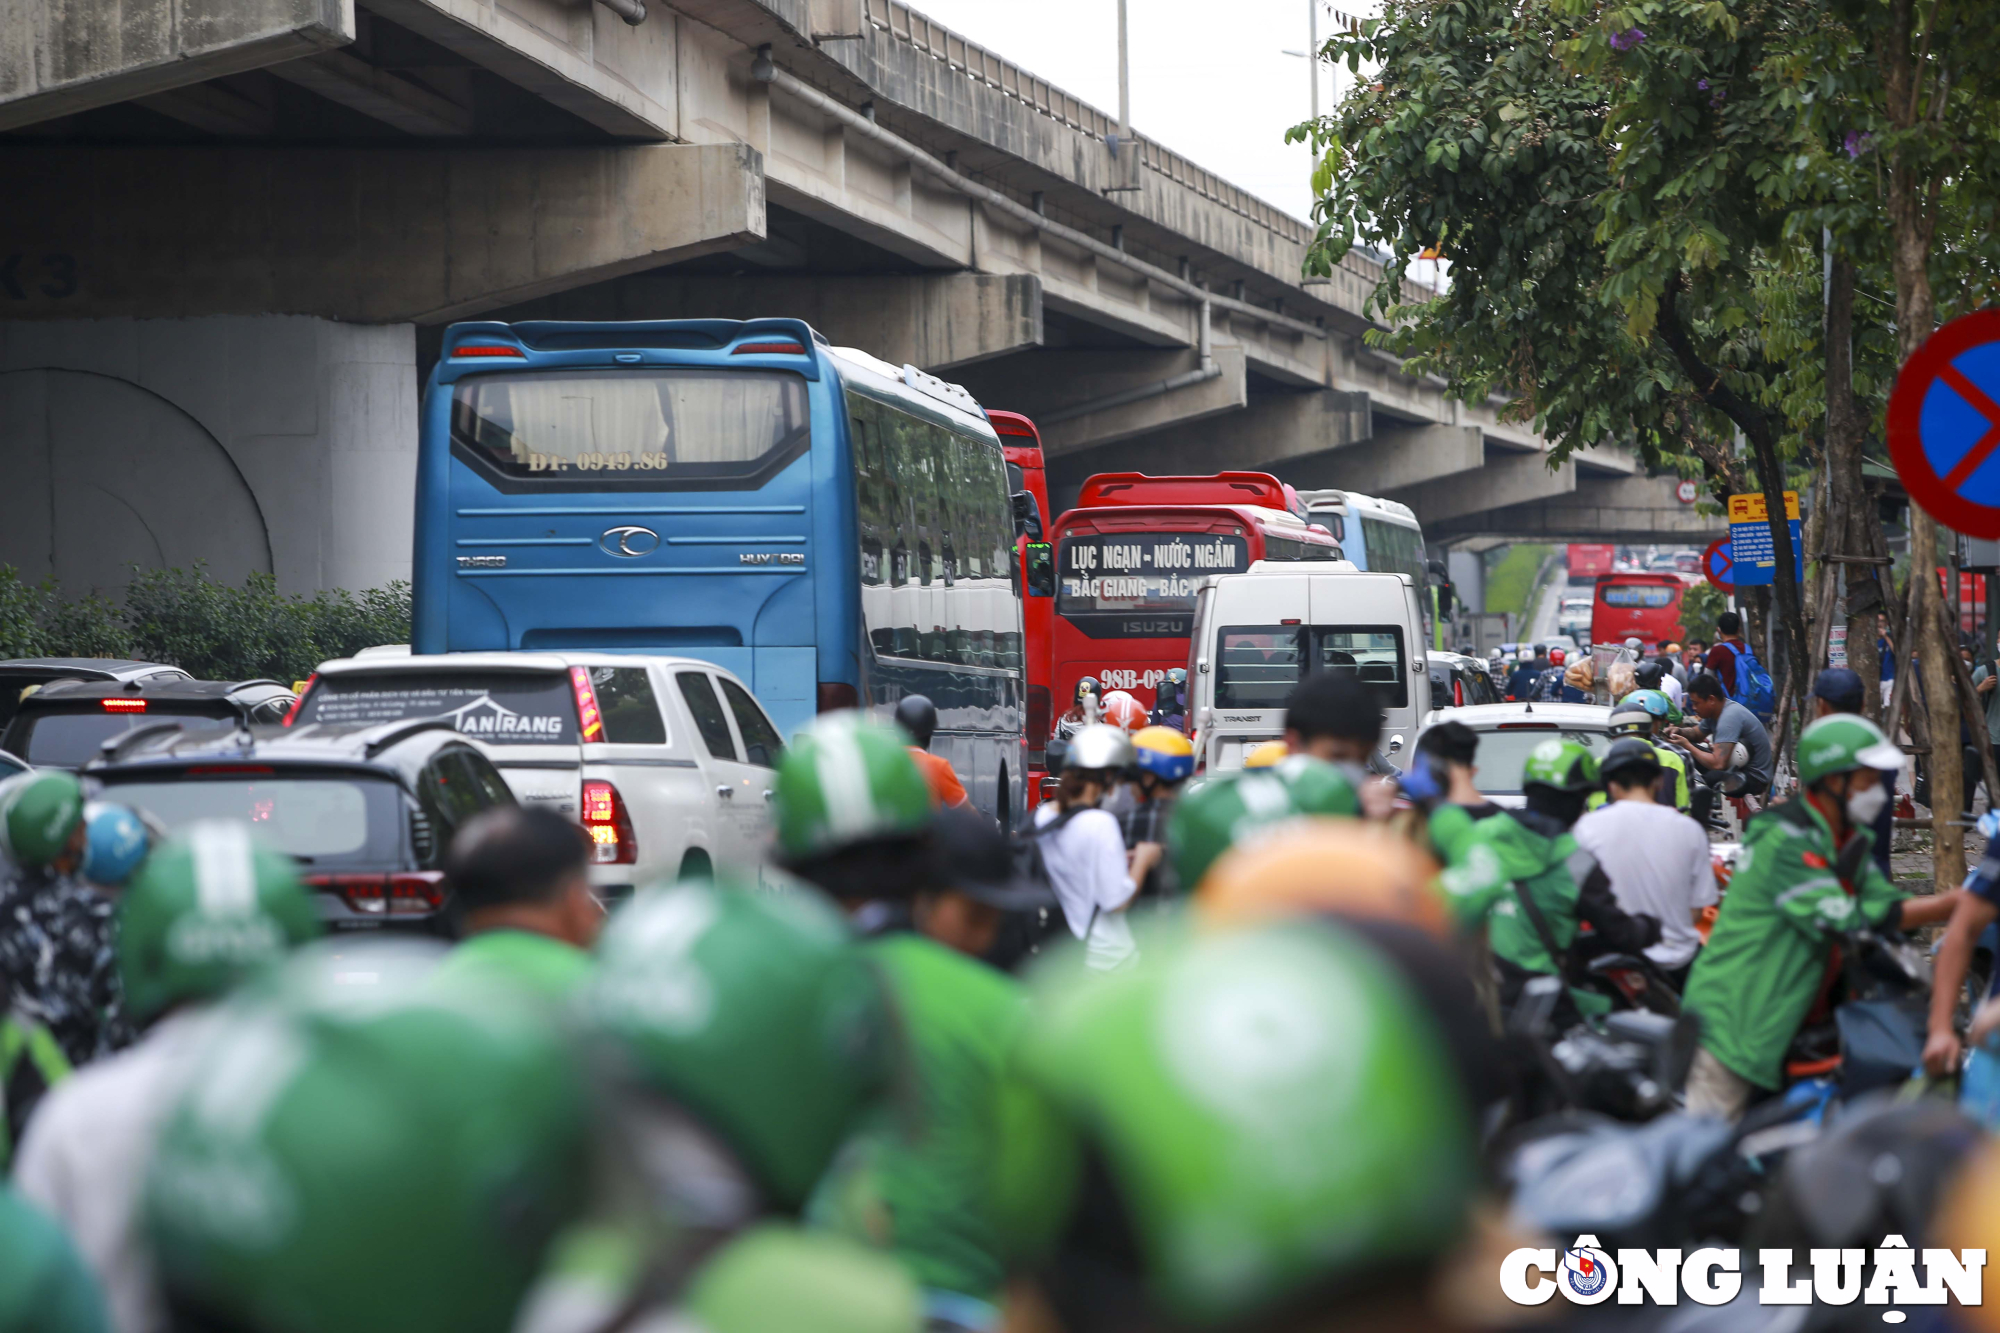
(696, 865)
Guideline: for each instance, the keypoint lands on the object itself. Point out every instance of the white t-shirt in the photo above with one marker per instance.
(84, 1157)
(1657, 861)
(1670, 685)
(1088, 870)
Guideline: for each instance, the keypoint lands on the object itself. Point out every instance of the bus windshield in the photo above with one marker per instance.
(653, 429)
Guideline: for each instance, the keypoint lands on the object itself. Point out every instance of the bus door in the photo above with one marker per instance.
(657, 506)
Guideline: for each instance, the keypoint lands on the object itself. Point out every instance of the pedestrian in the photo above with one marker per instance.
(1656, 858)
(917, 715)
(1885, 654)
(519, 880)
(1452, 750)
(56, 958)
(1737, 740)
(1721, 659)
(208, 910)
(1332, 716)
(1083, 849)
(1792, 897)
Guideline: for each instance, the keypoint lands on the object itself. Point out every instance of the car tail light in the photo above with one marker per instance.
(748, 349)
(124, 705)
(400, 893)
(292, 713)
(835, 695)
(1458, 694)
(487, 349)
(1050, 786)
(588, 715)
(609, 825)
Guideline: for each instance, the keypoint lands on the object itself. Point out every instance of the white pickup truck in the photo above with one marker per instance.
(667, 761)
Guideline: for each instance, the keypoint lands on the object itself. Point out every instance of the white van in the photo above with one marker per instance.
(1258, 633)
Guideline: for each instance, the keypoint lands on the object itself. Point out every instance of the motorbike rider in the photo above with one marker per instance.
(1523, 874)
(1086, 707)
(1450, 748)
(916, 714)
(1270, 1125)
(1528, 667)
(519, 878)
(116, 842)
(1635, 718)
(1804, 879)
(1082, 848)
(1332, 716)
(206, 911)
(1656, 858)
(1163, 760)
(1170, 701)
(1235, 808)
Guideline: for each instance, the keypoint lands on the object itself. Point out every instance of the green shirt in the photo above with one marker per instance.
(917, 1181)
(549, 967)
(44, 1287)
(1767, 955)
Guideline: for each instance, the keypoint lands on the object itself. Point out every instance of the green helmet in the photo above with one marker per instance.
(775, 1276)
(1275, 1110)
(42, 813)
(1563, 765)
(1841, 743)
(1630, 719)
(752, 1010)
(1656, 703)
(848, 779)
(1211, 818)
(205, 911)
(367, 1142)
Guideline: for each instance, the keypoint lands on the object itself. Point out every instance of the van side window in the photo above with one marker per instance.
(707, 711)
(631, 713)
(761, 743)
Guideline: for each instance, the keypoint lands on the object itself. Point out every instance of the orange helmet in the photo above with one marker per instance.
(1121, 710)
(1320, 865)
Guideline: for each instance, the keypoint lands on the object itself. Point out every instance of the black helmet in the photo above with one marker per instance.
(1630, 758)
(917, 715)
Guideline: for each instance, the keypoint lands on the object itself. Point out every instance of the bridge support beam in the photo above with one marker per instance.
(1086, 399)
(934, 321)
(1498, 483)
(1392, 460)
(365, 235)
(1625, 509)
(1273, 432)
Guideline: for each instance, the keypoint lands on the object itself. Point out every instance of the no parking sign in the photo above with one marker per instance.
(1944, 425)
(1718, 565)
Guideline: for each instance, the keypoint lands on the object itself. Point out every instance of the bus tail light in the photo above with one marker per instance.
(589, 718)
(292, 713)
(401, 893)
(835, 695)
(609, 825)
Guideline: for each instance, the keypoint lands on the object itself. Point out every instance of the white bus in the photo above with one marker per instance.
(1380, 536)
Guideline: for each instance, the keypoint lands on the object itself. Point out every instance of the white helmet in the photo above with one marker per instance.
(1100, 746)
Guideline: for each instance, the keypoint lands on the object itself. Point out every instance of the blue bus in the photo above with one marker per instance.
(834, 529)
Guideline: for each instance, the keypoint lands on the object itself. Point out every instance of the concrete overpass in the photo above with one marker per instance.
(236, 229)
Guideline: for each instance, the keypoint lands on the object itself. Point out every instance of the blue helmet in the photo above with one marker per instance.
(115, 843)
(1165, 753)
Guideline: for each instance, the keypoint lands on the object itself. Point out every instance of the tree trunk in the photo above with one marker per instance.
(1851, 521)
(1912, 215)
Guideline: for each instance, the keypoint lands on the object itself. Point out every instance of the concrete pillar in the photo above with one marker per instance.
(368, 235)
(1047, 384)
(934, 321)
(1272, 432)
(1513, 479)
(59, 59)
(1392, 460)
(278, 443)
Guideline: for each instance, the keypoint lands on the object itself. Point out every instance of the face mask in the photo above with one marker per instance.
(1863, 806)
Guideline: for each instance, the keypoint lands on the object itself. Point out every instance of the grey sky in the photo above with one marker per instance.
(1209, 81)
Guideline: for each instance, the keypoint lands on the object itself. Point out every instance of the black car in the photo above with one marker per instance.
(366, 810)
(67, 723)
(18, 674)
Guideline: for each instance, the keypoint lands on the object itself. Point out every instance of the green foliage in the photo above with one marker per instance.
(1700, 607)
(1510, 581)
(189, 620)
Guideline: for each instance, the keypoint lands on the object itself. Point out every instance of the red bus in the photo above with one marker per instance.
(1586, 562)
(1645, 605)
(1022, 444)
(1128, 558)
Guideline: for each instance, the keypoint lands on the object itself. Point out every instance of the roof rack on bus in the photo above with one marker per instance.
(943, 390)
(1136, 488)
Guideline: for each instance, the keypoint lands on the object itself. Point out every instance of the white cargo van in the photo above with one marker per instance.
(1258, 633)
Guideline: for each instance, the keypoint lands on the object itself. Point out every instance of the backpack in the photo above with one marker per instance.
(1025, 934)
(1753, 683)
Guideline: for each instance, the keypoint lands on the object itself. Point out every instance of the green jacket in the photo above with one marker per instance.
(1767, 954)
(1451, 828)
(916, 1182)
(44, 1287)
(546, 967)
(1500, 852)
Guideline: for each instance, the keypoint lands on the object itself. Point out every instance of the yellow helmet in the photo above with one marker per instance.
(1267, 754)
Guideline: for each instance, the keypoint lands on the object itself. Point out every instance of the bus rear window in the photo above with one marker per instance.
(1638, 594)
(1107, 580)
(1260, 664)
(651, 429)
(504, 708)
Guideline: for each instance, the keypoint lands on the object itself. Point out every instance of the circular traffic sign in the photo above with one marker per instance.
(1716, 564)
(1687, 492)
(1944, 425)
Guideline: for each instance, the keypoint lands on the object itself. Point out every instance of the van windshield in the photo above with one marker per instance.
(1258, 665)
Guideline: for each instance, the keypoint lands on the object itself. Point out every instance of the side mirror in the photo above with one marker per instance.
(1041, 569)
(1027, 516)
(1395, 743)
